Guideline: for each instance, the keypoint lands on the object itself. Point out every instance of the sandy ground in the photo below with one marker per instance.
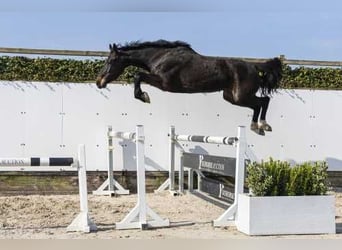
(46, 217)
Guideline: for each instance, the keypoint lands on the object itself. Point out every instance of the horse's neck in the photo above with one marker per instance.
(142, 58)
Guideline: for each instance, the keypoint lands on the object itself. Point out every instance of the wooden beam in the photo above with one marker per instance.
(105, 54)
(53, 52)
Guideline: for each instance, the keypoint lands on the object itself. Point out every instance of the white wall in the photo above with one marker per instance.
(50, 119)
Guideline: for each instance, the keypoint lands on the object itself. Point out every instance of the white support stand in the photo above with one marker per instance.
(170, 181)
(138, 216)
(82, 222)
(110, 189)
(110, 186)
(229, 217)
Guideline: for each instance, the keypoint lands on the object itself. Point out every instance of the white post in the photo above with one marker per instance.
(140, 158)
(172, 158)
(181, 174)
(137, 217)
(82, 180)
(110, 161)
(229, 217)
(240, 162)
(82, 222)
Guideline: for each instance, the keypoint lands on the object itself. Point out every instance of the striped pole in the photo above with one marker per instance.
(122, 135)
(37, 161)
(207, 139)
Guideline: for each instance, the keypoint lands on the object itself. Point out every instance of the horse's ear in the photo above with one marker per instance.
(113, 47)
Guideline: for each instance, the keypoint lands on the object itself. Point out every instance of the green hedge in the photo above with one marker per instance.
(312, 78)
(72, 70)
(277, 178)
(53, 70)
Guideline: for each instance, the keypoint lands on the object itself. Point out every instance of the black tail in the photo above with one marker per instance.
(270, 73)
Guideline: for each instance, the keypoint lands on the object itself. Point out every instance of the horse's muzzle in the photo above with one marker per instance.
(101, 82)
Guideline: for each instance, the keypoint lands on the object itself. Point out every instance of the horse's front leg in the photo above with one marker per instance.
(252, 102)
(138, 93)
(264, 106)
(254, 124)
(151, 79)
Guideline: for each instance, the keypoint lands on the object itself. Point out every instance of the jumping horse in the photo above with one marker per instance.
(176, 67)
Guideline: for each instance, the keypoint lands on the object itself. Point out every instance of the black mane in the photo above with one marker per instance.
(156, 44)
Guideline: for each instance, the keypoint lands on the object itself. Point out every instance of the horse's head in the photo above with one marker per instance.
(113, 68)
(276, 67)
(271, 73)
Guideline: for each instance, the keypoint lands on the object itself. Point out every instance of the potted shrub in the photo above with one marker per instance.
(286, 200)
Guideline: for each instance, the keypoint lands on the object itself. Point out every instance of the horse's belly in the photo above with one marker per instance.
(197, 88)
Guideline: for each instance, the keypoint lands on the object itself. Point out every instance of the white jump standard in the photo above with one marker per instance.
(82, 222)
(110, 186)
(229, 217)
(138, 216)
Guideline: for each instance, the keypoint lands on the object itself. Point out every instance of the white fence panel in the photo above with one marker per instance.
(52, 119)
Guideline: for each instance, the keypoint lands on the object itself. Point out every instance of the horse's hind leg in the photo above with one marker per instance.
(252, 102)
(263, 124)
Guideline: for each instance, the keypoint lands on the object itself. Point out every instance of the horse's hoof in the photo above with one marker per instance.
(145, 98)
(267, 128)
(255, 128)
(259, 131)
(264, 126)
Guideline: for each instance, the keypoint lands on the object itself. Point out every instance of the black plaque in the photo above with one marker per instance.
(224, 166)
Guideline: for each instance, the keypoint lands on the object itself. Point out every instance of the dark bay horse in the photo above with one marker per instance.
(176, 67)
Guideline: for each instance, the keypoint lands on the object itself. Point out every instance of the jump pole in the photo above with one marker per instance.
(138, 216)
